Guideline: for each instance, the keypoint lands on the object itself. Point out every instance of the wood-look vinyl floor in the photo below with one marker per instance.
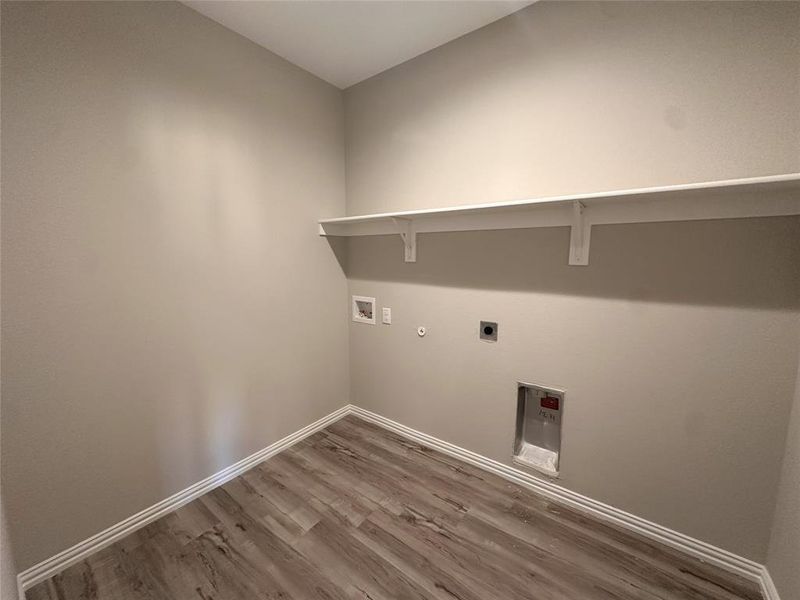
(357, 512)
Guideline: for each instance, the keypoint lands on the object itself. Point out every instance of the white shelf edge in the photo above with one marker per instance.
(776, 195)
(683, 187)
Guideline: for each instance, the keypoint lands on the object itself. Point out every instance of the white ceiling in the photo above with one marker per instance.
(346, 41)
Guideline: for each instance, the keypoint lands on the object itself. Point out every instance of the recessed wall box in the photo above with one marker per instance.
(537, 443)
(488, 331)
(363, 309)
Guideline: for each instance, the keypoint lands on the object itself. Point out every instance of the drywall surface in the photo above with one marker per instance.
(784, 547)
(566, 97)
(8, 570)
(168, 307)
(677, 346)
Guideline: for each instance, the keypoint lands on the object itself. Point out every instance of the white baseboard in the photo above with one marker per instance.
(701, 550)
(49, 567)
(768, 586)
(723, 559)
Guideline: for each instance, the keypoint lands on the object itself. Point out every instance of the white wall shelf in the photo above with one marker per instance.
(773, 195)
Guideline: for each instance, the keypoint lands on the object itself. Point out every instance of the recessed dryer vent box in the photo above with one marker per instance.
(537, 443)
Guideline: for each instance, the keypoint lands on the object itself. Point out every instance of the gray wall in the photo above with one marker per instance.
(566, 97)
(168, 306)
(784, 547)
(8, 570)
(678, 345)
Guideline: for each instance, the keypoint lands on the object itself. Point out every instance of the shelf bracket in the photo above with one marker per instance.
(409, 236)
(580, 235)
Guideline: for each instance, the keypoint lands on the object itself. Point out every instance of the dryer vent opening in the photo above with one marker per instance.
(537, 443)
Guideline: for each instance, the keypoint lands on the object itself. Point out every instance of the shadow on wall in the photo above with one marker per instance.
(738, 262)
(341, 251)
